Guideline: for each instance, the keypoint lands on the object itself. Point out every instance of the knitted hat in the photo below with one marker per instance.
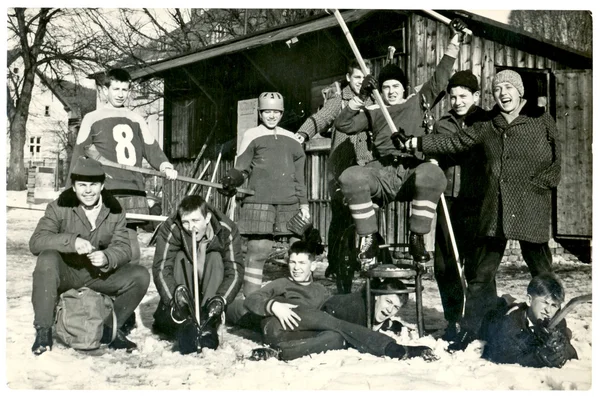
(87, 170)
(392, 72)
(463, 78)
(509, 76)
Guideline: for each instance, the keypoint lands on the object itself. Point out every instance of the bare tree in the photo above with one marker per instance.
(569, 27)
(49, 42)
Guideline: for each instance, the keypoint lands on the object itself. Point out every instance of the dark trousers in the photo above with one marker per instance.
(341, 219)
(481, 279)
(315, 334)
(464, 217)
(52, 276)
(211, 278)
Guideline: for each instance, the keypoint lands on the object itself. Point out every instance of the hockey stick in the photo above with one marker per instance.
(92, 152)
(445, 20)
(196, 281)
(568, 308)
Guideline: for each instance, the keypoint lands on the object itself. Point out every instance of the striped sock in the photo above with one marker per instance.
(421, 215)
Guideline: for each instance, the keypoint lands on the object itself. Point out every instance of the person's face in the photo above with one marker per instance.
(301, 267)
(88, 193)
(386, 306)
(461, 99)
(507, 97)
(117, 93)
(270, 118)
(392, 92)
(355, 79)
(195, 222)
(541, 307)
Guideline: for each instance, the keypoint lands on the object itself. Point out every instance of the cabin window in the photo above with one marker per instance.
(47, 111)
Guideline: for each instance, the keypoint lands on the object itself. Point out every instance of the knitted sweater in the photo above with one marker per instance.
(407, 116)
(308, 296)
(274, 159)
(121, 136)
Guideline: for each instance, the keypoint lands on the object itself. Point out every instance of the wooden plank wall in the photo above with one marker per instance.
(574, 122)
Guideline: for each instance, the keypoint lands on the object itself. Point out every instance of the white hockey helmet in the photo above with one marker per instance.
(270, 101)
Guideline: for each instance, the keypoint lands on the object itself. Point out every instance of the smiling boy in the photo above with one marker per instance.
(293, 325)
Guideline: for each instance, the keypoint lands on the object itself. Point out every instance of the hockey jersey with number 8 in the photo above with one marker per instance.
(122, 136)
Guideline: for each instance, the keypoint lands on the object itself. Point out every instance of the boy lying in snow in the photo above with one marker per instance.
(518, 333)
(293, 326)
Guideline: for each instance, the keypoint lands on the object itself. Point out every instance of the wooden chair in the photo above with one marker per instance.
(405, 269)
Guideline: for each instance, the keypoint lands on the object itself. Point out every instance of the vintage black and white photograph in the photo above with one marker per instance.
(295, 198)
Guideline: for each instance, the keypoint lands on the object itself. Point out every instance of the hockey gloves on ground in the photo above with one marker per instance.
(553, 352)
(457, 26)
(231, 181)
(368, 85)
(399, 139)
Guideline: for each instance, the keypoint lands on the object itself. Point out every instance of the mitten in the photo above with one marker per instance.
(553, 352)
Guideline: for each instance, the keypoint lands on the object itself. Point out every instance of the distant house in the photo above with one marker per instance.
(55, 108)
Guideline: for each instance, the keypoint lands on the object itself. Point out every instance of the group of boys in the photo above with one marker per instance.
(83, 238)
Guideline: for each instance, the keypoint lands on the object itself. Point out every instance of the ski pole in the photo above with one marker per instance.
(195, 264)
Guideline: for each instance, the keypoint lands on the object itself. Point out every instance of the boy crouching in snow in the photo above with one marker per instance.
(519, 334)
(293, 325)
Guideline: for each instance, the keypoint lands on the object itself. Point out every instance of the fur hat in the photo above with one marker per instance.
(509, 76)
(87, 170)
(463, 78)
(392, 72)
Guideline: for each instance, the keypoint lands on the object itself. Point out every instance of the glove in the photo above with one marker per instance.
(298, 224)
(368, 85)
(553, 352)
(230, 182)
(457, 26)
(399, 139)
(421, 351)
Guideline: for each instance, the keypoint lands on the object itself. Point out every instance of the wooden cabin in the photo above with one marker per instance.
(204, 92)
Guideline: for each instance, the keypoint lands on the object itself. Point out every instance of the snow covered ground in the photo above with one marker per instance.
(155, 366)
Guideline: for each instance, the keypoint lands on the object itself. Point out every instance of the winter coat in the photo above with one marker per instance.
(173, 238)
(464, 172)
(65, 220)
(353, 308)
(346, 151)
(510, 340)
(522, 168)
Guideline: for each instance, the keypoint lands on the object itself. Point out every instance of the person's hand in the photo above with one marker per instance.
(368, 85)
(171, 173)
(457, 27)
(399, 139)
(98, 259)
(304, 212)
(285, 314)
(82, 246)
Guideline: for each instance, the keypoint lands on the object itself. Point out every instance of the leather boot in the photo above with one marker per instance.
(367, 251)
(43, 341)
(121, 342)
(417, 248)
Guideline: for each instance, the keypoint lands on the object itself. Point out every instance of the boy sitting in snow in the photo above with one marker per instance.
(293, 325)
(519, 334)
